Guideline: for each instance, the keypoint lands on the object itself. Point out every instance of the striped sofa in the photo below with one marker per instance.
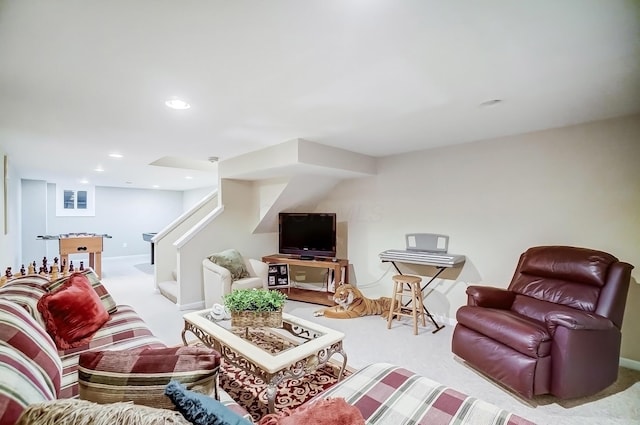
(33, 370)
(31, 367)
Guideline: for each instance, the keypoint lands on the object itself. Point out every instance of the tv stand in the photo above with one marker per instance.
(317, 297)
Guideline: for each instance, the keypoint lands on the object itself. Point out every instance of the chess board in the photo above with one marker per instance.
(51, 271)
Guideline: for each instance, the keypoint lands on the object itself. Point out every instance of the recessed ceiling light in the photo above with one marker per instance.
(188, 177)
(155, 186)
(175, 103)
(115, 155)
(98, 169)
(491, 102)
(84, 181)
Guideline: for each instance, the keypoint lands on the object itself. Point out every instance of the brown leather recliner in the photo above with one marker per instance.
(555, 329)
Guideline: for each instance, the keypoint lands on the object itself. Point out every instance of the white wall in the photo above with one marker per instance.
(192, 197)
(122, 213)
(575, 186)
(10, 214)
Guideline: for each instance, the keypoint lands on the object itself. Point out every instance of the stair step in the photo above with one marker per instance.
(169, 289)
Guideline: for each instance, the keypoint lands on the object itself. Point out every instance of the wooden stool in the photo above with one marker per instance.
(414, 307)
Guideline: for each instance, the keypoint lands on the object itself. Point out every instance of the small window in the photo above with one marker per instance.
(75, 202)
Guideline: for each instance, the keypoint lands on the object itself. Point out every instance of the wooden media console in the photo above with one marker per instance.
(324, 297)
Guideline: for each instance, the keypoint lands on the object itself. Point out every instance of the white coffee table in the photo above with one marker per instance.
(298, 348)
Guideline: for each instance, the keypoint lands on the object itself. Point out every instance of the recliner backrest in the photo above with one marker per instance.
(568, 276)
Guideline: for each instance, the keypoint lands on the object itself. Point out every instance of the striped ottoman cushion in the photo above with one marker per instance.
(142, 375)
(30, 368)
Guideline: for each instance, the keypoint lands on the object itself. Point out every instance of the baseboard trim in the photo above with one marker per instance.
(629, 364)
(198, 305)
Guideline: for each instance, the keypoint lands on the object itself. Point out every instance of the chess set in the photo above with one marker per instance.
(51, 272)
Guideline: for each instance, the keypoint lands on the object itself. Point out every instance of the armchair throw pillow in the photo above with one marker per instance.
(231, 260)
(141, 375)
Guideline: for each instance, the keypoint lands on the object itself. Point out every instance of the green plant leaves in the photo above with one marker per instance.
(254, 300)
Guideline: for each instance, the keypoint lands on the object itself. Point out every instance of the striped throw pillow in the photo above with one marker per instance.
(105, 298)
(142, 375)
(30, 368)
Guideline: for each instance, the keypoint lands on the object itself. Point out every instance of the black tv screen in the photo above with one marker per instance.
(307, 234)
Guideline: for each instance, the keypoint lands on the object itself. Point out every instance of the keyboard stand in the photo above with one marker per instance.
(429, 315)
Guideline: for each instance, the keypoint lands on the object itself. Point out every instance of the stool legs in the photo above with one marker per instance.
(394, 304)
(415, 308)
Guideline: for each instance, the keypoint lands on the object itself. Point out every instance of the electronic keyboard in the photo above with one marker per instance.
(439, 259)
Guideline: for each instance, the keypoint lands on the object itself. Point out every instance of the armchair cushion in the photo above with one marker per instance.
(231, 260)
(521, 333)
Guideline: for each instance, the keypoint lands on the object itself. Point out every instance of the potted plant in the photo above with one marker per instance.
(255, 307)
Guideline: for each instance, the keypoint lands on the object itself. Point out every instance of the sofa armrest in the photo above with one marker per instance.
(216, 283)
(490, 297)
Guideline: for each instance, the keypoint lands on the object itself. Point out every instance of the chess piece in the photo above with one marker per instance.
(64, 269)
(43, 271)
(8, 273)
(54, 270)
(3, 280)
(23, 272)
(44, 263)
(81, 265)
(32, 268)
(71, 269)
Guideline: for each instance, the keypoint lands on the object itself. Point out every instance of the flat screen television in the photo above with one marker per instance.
(307, 234)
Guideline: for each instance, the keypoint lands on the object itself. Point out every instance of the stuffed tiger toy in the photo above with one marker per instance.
(352, 303)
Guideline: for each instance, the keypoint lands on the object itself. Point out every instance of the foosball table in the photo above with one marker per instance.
(80, 243)
(50, 271)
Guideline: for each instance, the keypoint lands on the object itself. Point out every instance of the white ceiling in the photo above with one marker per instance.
(81, 79)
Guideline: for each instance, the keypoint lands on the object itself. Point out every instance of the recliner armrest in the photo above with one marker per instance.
(490, 297)
(579, 320)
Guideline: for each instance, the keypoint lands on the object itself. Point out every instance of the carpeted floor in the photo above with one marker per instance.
(250, 392)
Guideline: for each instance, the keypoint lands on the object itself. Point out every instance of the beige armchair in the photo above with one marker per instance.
(218, 282)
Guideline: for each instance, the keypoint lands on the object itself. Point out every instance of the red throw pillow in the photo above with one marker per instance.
(73, 313)
(331, 411)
